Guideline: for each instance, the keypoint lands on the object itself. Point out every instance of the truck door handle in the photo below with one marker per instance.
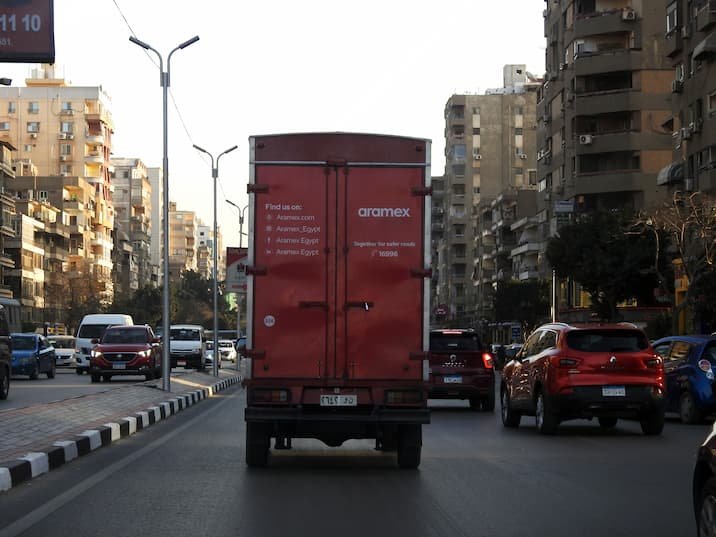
(312, 304)
(362, 304)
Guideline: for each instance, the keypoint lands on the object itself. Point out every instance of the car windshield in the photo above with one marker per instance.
(92, 331)
(440, 341)
(63, 343)
(607, 340)
(125, 335)
(23, 343)
(184, 334)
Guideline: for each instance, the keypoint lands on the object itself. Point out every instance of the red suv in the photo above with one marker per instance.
(460, 368)
(586, 371)
(126, 350)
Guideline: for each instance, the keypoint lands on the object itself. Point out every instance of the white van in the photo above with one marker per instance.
(187, 346)
(92, 327)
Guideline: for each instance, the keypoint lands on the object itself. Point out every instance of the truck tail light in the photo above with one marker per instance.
(487, 360)
(403, 397)
(269, 396)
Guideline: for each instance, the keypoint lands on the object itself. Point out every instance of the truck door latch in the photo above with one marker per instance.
(362, 304)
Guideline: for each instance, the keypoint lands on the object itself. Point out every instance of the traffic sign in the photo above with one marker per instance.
(236, 259)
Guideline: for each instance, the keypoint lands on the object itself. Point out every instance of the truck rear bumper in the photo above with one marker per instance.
(376, 416)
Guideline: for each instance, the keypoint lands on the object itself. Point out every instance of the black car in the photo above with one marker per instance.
(5, 355)
(704, 488)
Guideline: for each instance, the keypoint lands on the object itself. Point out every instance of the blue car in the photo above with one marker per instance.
(689, 363)
(32, 354)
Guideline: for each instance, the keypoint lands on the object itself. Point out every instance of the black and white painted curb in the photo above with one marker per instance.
(17, 471)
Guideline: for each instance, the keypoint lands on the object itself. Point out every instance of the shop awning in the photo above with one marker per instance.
(705, 48)
(671, 173)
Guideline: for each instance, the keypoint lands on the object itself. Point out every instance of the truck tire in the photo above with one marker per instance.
(488, 404)
(410, 442)
(258, 442)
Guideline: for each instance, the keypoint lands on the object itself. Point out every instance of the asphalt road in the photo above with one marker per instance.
(66, 384)
(186, 476)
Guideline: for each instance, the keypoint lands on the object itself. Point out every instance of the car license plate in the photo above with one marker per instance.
(181, 362)
(613, 391)
(119, 366)
(453, 379)
(339, 400)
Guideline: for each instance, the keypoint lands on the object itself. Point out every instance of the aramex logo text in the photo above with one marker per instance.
(384, 212)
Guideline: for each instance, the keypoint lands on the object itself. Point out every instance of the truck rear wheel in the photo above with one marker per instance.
(410, 441)
(258, 442)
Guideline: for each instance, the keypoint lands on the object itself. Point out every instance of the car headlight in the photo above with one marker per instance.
(95, 354)
(144, 354)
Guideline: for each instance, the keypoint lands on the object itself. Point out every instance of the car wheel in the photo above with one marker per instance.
(410, 442)
(488, 404)
(608, 423)
(106, 378)
(510, 418)
(706, 509)
(653, 423)
(4, 384)
(51, 372)
(95, 378)
(78, 370)
(36, 372)
(545, 419)
(688, 411)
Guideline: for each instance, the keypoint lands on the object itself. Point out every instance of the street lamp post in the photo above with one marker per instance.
(164, 83)
(215, 175)
(238, 291)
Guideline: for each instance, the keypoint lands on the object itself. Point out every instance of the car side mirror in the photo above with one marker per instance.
(157, 340)
(94, 341)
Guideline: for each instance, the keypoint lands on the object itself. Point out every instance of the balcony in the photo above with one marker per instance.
(94, 158)
(605, 22)
(95, 139)
(706, 16)
(525, 248)
(57, 252)
(529, 274)
(592, 63)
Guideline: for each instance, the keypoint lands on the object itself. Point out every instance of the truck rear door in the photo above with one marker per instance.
(337, 259)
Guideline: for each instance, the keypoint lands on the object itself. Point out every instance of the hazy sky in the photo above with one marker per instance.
(264, 67)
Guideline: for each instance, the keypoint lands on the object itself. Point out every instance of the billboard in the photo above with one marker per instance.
(236, 259)
(27, 31)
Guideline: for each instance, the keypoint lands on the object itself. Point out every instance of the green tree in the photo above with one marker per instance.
(612, 264)
(527, 301)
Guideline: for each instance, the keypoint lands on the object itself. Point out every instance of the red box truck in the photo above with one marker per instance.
(338, 292)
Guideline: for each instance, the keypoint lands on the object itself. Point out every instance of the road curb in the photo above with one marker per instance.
(31, 465)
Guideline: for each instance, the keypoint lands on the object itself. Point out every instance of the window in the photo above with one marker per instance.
(459, 151)
(458, 190)
(33, 107)
(518, 110)
(476, 110)
(672, 17)
(33, 126)
(4, 126)
(476, 131)
(66, 149)
(711, 103)
(27, 148)
(67, 106)
(518, 131)
(532, 174)
(66, 127)
(11, 107)
(66, 169)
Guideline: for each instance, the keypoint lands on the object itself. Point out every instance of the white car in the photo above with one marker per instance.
(227, 350)
(64, 350)
(209, 356)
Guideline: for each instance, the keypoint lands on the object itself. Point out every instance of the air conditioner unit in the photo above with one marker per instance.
(686, 134)
(33, 135)
(677, 86)
(62, 136)
(523, 156)
(63, 158)
(585, 139)
(629, 15)
(477, 157)
(70, 136)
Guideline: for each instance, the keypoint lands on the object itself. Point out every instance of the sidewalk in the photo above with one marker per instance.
(39, 438)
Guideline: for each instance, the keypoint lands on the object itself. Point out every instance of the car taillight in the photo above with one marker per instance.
(705, 366)
(487, 360)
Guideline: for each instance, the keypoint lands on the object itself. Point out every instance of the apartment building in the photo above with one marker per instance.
(62, 208)
(156, 244)
(7, 210)
(66, 131)
(691, 49)
(183, 233)
(490, 148)
(132, 200)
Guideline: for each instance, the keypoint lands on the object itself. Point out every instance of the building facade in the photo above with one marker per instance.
(183, 233)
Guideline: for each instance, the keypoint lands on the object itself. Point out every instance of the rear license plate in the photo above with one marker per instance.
(339, 400)
(454, 379)
(181, 362)
(613, 391)
(119, 366)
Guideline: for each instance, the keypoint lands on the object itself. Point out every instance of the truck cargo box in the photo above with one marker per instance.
(338, 291)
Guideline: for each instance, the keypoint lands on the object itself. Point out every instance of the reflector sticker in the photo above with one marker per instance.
(269, 321)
